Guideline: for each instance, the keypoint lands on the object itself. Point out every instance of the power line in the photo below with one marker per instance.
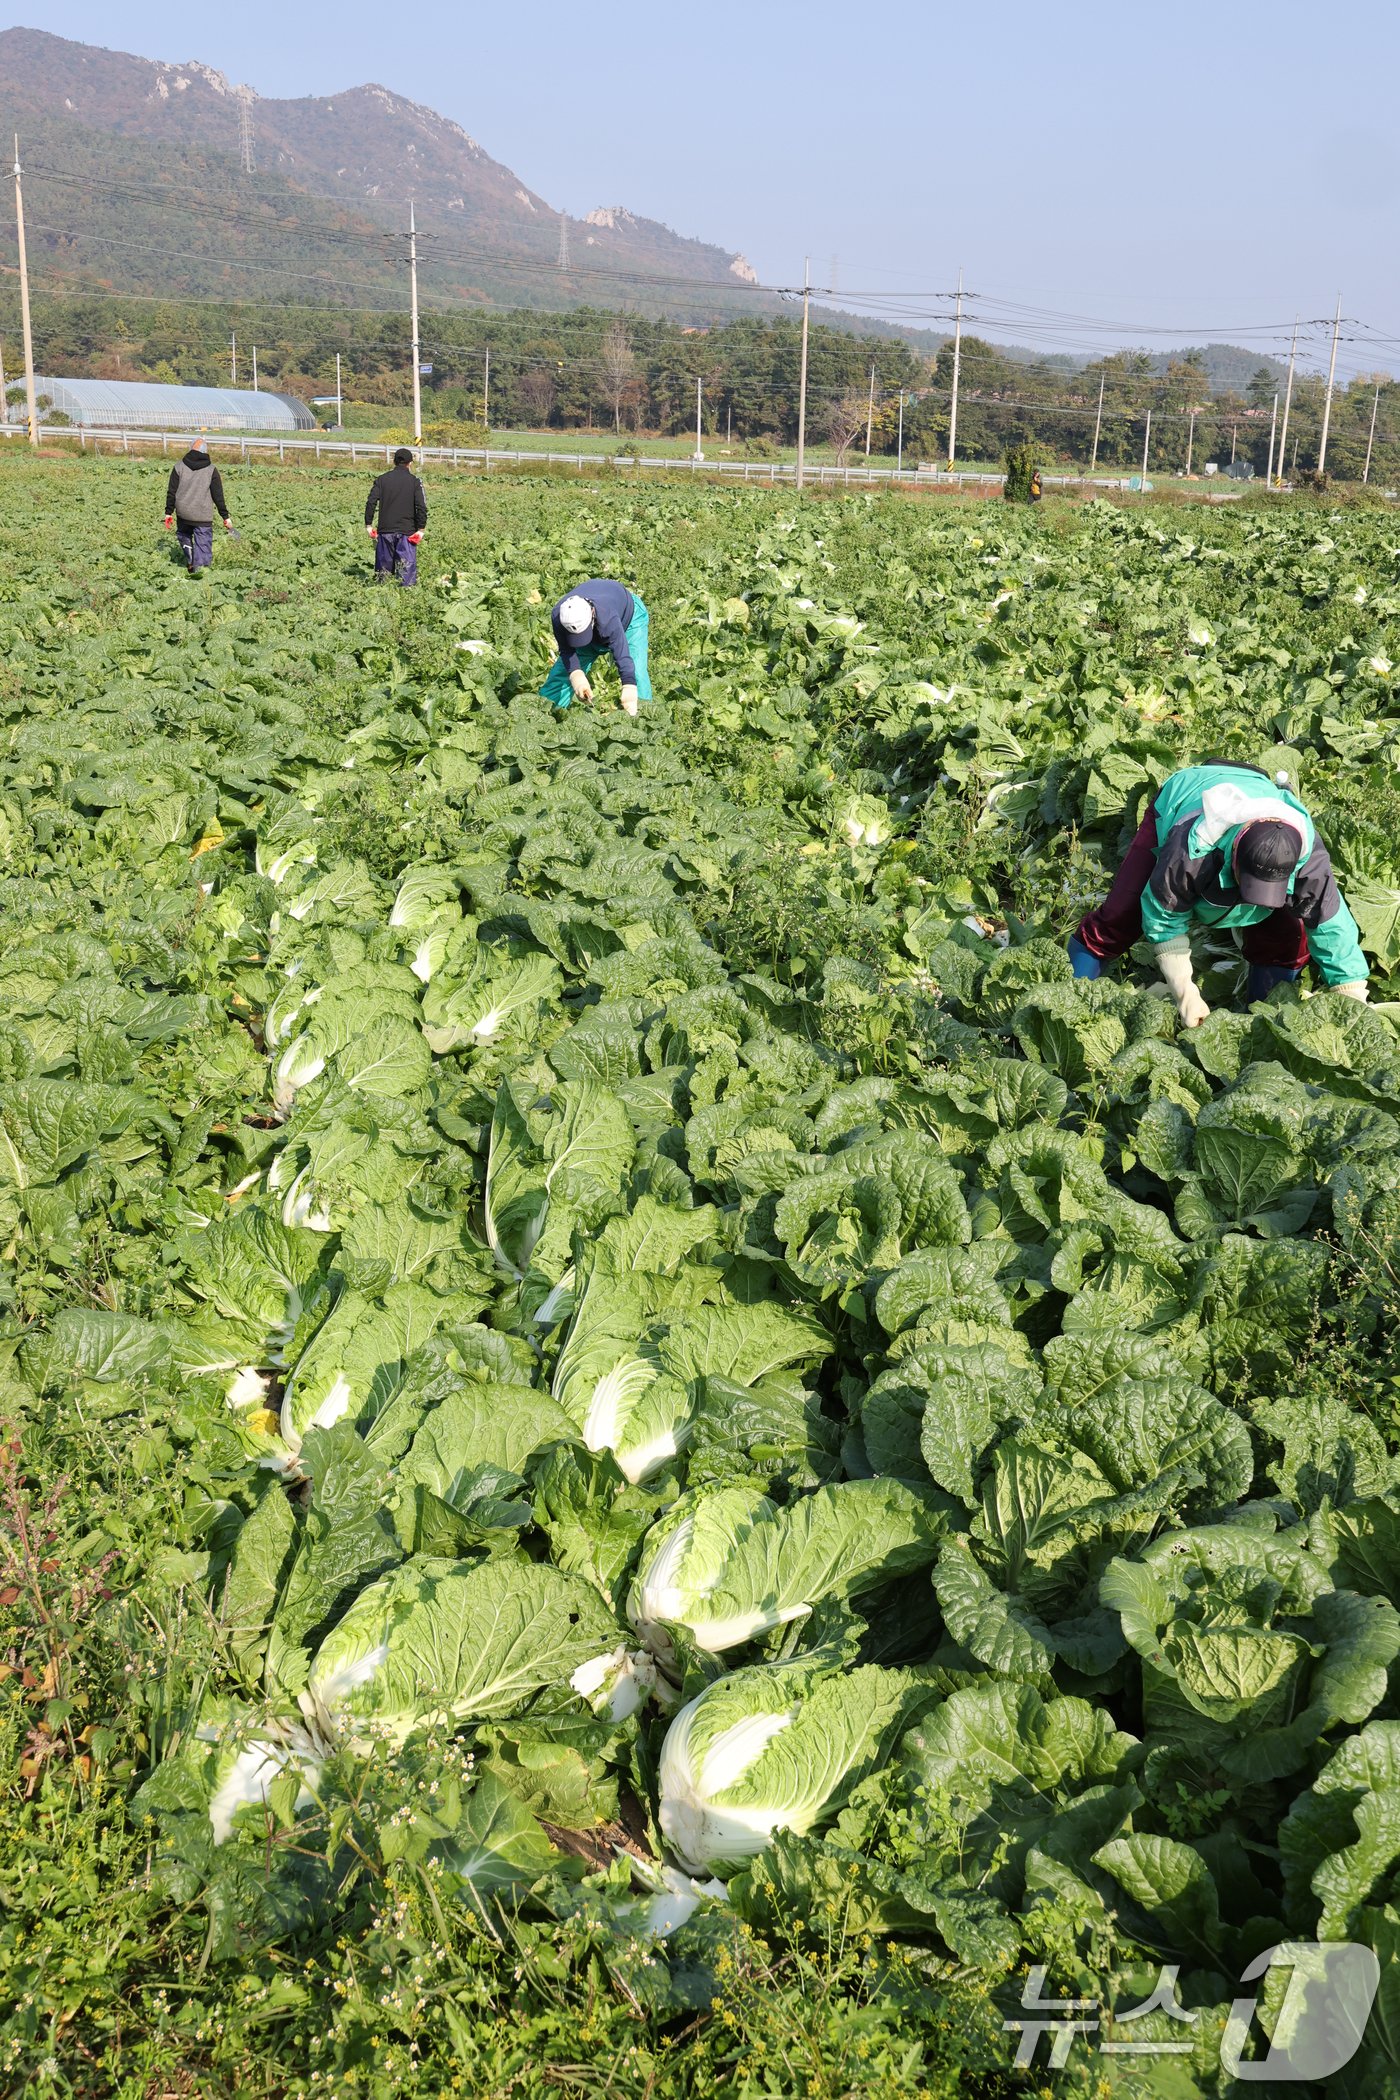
(1008, 316)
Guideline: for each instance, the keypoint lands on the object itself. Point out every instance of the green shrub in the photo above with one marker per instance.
(1021, 464)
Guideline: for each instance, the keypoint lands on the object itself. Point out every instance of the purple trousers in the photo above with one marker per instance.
(1281, 939)
(395, 554)
(196, 543)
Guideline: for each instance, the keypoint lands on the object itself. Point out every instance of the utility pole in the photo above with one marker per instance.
(1287, 399)
(699, 404)
(413, 325)
(1327, 402)
(1370, 435)
(255, 368)
(30, 403)
(957, 366)
(339, 412)
(802, 382)
(899, 454)
(245, 128)
(1190, 442)
(870, 412)
(1234, 438)
(1098, 425)
(233, 357)
(1146, 442)
(729, 426)
(486, 393)
(1273, 426)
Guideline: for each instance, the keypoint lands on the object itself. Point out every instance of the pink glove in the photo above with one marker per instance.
(414, 538)
(372, 531)
(168, 523)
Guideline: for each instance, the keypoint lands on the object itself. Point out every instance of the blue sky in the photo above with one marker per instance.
(1196, 168)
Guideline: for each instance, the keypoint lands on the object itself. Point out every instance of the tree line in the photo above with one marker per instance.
(637, 376)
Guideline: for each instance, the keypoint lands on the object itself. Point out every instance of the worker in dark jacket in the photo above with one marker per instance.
(597, 618)
(1226, 845)
(401, 509)
(193, 494)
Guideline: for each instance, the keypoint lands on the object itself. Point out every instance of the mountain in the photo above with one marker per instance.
(366, 151)
(138, 184)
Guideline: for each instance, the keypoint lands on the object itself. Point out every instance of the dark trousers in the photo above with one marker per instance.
(196, 543)
(395, 554)
(1281, 940)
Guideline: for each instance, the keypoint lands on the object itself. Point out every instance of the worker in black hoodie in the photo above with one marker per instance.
(193, 494)
(402, 510)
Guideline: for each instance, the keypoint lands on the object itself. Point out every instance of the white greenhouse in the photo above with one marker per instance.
(146, 404)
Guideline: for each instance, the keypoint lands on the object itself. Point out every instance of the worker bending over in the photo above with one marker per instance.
(1225, 845)
(402, 512)
(596, 618)
(193, 494)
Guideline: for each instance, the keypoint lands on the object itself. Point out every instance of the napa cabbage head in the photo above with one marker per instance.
(355, 1361)
(496, 995)
(621, 1397)
(776, 1747)
(426, 893)
(286, 845)
(726, 1563)
(630, 1383)
(865, 821)
(443, 1641)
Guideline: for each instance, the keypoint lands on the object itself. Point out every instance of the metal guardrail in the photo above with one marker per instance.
(764, 472)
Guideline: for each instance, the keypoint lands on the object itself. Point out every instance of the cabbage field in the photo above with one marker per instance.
(642, 1453)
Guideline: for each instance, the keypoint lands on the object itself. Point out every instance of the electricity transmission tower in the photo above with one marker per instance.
(563, 240)
(245, 128)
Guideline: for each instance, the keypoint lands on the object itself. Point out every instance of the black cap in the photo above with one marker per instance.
(403, 457)
(1266, 854)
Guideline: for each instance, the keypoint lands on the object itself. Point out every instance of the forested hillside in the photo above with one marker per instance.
(138, 184)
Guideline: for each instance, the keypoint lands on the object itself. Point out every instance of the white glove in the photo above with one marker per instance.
(582, 690)
(1176, 971)
(629, 700)
(1360, 989)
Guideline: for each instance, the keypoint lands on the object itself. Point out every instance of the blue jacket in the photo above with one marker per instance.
(613, 608)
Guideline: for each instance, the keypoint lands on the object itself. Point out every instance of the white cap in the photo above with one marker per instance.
(576, 615)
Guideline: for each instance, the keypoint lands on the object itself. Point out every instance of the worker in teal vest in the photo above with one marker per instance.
(1226, 845)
